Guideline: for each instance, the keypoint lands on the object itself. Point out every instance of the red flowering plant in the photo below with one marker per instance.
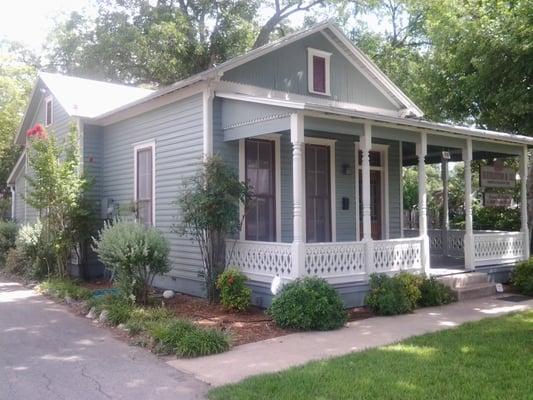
(234, 295)
(37, 132)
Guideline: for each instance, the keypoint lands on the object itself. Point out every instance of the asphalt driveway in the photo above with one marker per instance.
(48, 353)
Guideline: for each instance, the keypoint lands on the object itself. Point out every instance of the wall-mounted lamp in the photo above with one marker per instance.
(347, 169)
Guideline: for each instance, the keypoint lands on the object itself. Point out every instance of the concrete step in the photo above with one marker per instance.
(458, 281)
(475, 291)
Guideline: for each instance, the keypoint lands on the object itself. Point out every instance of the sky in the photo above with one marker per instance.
(29, 21)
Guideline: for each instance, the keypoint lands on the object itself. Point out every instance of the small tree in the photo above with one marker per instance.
(209, 213)
(57, 190)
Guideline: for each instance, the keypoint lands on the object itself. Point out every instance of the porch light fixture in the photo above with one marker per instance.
(347, 169)
(446, 155)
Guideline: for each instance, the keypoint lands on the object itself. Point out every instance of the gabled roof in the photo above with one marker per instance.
(331, 31)
(89, 98)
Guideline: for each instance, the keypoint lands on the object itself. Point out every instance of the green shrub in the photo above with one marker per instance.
(186, 339)
(62, 288)
(15, 263)
(35, 250)
(234, 295)
(434, 293)
(522, 278)
(140, 318)
(389, 295)
(412, 285)
(119, 311)
(201, 342)
(8, 236)
(308, 304)
(135, 254)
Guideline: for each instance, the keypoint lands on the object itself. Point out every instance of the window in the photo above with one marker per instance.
(318, 71)
(145, 182)
(317, 193)
(259, 159)
(48, 104)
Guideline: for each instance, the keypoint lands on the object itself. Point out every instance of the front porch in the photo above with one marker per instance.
(362, 224)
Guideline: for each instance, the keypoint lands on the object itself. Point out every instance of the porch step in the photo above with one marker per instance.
(463, 280)
(470, 285)
(475, 291)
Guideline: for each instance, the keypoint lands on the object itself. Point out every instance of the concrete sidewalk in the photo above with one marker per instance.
(280, 353)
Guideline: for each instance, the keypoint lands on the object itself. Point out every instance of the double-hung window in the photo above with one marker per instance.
(49, 111)
(259, 163)
(144, 182)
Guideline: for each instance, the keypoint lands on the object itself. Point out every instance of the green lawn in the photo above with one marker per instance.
(485, 360)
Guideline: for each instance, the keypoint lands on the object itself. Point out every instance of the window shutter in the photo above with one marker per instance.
(319, 74)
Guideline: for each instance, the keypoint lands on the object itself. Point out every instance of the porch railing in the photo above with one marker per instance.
(336, 262)
(499, 248)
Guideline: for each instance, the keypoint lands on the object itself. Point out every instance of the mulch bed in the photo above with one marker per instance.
(246, 327)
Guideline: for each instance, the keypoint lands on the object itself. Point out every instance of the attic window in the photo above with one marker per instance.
(318, 71)
(48, 111)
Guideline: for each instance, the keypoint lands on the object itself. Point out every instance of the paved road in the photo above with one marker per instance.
(48, 353)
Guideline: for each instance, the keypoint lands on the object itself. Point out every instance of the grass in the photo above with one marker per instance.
(488, 359)
(62, 288)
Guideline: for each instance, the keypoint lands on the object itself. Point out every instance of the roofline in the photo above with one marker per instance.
(12, 174)
(435, 127)
(21, 123)
(217, 71)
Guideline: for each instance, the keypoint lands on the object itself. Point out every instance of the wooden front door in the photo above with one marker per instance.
(376, 204)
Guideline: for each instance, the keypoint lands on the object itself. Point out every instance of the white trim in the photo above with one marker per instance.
(333, 189)
(13, 202)
(384, 150)
(274, 137)
(311, 52)
(14, 171)
(400, 150)
(136, 147)
(48, 99)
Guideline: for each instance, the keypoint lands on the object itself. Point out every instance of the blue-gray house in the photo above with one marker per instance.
(322, 136)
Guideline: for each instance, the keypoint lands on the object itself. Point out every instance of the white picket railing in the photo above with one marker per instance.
(398, 255)
(499, 248)
(340, 261)
(261, 261)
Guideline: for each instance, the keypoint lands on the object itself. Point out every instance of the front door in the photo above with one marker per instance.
(376, 195)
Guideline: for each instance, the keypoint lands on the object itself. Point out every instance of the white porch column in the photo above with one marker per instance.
(469, 232)
(523, 199)
(421, 152)
(445, 207)
(13, 202)
(365, 146)
(298, 165)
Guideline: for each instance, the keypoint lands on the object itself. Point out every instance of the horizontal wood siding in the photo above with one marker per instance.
(20, 183)
(285, 69)
(178, 133)
(93, 153)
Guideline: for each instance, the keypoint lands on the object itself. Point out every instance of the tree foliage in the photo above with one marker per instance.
(16, 77)
(56, 189)
(209, 213)
(138, 42)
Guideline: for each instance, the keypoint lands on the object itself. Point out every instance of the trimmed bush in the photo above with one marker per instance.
(8, 236)
(389, 296)
(308, 304)
(234, 295)
(434, 293)
(135, 254)
(62, 288)
(186, 339)
(522, 278)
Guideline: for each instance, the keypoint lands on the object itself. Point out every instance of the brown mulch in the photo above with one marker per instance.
(246, 327)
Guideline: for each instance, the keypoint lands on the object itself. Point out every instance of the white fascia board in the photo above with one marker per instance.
(14, 171)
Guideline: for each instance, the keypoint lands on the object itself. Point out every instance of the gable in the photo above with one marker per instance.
(285, 69)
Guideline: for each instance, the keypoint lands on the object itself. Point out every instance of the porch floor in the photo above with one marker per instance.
(444, 265)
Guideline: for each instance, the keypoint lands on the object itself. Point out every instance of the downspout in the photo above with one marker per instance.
(208, 96)
(13, 199)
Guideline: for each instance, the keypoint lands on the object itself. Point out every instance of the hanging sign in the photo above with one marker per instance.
(493, 199)
(497, 176)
